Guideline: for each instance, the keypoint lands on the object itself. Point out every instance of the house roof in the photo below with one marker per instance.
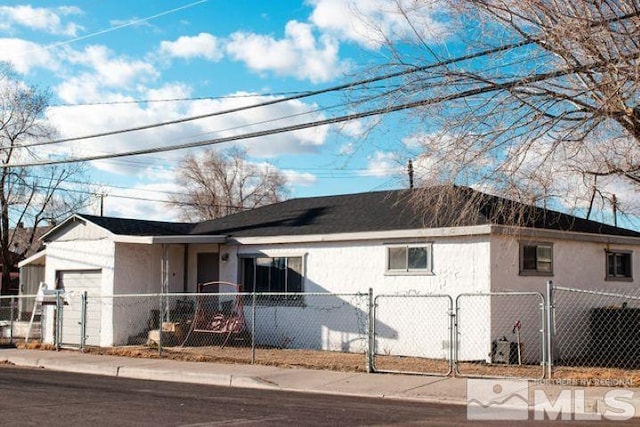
(136, 227)
(396, 210)
(439, 207)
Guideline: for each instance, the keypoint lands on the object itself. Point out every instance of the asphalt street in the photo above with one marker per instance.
(42, 397)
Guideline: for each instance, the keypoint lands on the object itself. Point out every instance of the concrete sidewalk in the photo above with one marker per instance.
(407, 387)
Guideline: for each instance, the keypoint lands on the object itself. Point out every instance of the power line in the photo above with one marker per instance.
(196, 98)
(354, 116)
(350, 85)
(138, 198)
(290, 98)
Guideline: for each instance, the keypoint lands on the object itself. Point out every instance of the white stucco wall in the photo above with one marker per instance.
(576, 264)
(82, 247)
(460, 264)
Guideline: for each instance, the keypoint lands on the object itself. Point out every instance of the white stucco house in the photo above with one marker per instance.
(344, 244)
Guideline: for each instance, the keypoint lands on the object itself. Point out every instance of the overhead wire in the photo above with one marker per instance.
(490, 87)
(341, 87)
(303, 95)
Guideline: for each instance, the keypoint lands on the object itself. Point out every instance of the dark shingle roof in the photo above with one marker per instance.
(369, 212)
(395, 210)
(319, 215)
(139, 227)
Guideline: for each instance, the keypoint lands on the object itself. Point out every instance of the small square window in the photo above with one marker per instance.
(409, 259)
(619, 266)
(536, 259)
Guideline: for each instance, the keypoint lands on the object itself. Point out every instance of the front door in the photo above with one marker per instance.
(208, 267)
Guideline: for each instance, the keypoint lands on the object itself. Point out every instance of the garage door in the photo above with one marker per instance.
(74, 284)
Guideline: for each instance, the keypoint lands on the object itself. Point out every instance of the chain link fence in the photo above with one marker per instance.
(500, 335)
(313, 330)
(16, 323)
(595, 329)
(593, 334)
(413, 334)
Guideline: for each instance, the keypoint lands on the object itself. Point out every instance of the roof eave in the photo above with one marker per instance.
(542, 233)
(367, 235)
(175, 239)
(39, 258)
(195, 239)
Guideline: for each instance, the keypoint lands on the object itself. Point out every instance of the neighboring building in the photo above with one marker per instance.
(24, 242)
(342, 244)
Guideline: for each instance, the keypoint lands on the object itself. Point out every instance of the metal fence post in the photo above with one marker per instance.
(456, 335)
(11, 320)
(83, 320)
(160, 321)
(371, 336)
(453, 324)
(253, 327)
(549, 325)
(58, 325)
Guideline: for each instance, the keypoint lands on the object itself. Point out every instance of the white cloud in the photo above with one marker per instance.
(25, 55)
(142, 201)
(300, 179)
(41, 19)
(109, 70)
(347, 149)
(203, 45)
(299, 54)
(353, 128)
(370, 22)
(383, 164)
(101, 118)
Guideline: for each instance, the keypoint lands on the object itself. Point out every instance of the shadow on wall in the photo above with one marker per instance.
(320, 321)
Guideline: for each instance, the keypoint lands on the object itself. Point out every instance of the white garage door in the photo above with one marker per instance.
(75, 283)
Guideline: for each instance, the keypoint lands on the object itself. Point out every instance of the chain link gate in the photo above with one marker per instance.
(413, 334)
(500, 335)
(70, 314)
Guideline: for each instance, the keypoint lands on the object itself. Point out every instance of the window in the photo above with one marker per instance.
(619, 265)
(536, 259)
(409, 259)
(264, 274)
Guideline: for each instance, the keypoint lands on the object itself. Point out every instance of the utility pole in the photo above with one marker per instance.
(102, 204)
(410, 172)
(614, 203)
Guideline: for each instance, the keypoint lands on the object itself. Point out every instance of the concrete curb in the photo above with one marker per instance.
(388, 386)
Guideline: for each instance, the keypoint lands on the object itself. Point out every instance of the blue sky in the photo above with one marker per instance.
(103, 59)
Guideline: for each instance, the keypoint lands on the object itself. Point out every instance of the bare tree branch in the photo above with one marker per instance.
(218, 184)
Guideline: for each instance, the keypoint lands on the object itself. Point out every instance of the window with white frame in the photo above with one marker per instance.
(619, 265)
(409, 258)
(536, 259)
(272, 274)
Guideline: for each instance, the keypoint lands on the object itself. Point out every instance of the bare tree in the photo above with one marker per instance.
(217, 184)
(548, 109)
(28, 196)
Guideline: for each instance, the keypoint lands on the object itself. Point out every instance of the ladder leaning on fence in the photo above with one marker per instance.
(37, 309)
